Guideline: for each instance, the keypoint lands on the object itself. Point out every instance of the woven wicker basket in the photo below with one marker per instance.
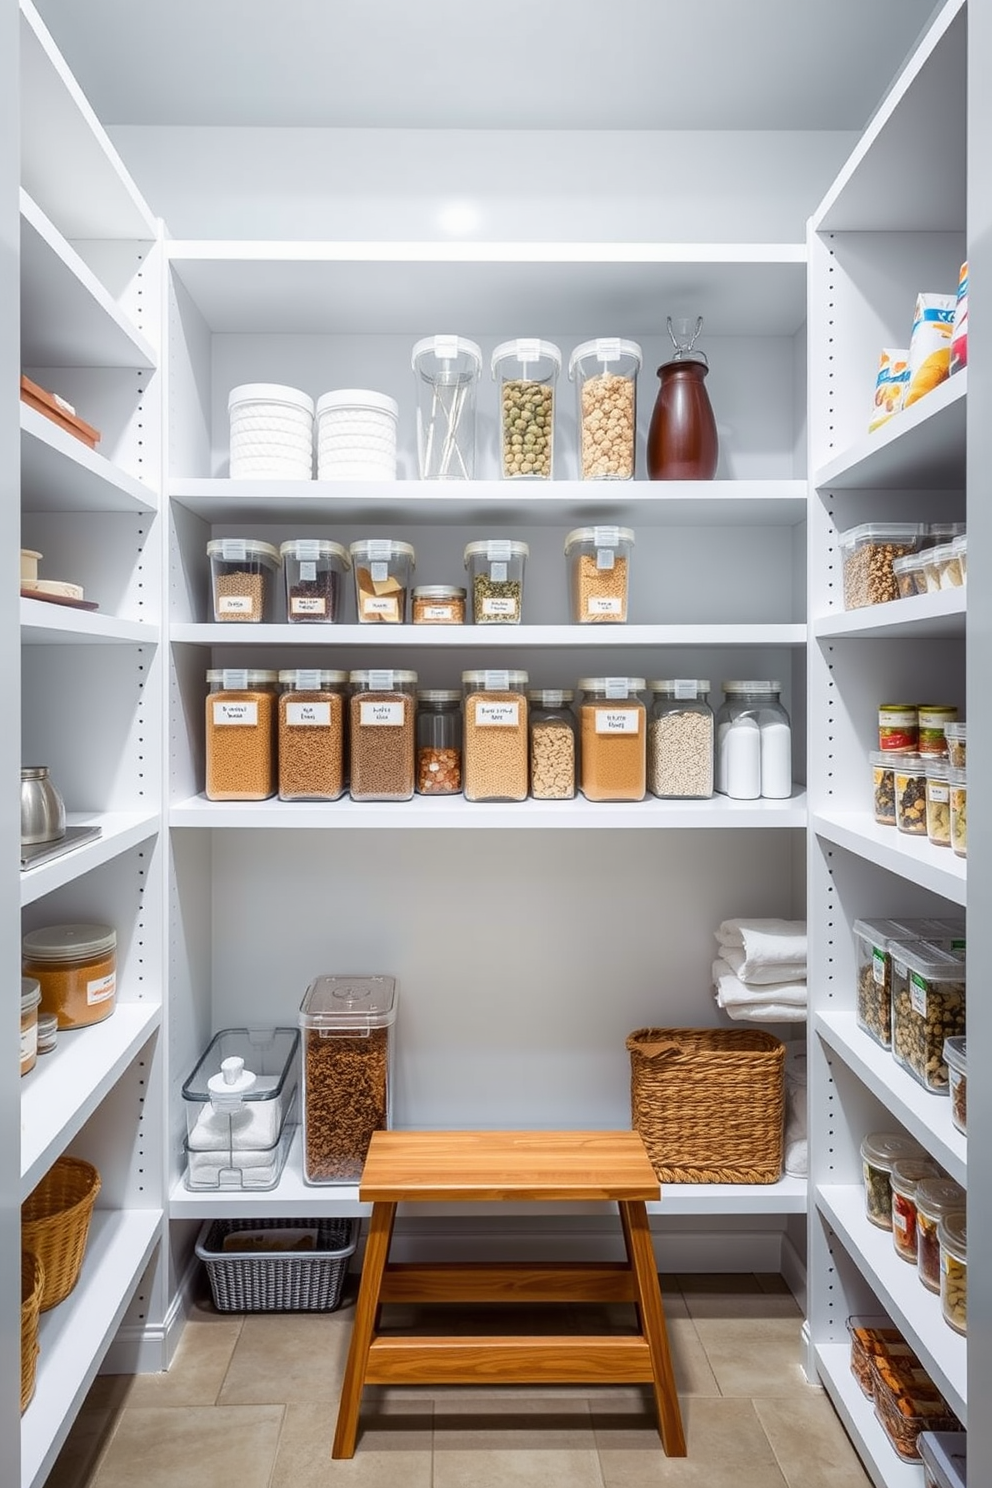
(708, 1103)
(277, 1281)
(55, 1221)
(32, 1282)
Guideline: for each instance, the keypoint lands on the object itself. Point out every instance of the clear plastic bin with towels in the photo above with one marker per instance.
(241, 1109)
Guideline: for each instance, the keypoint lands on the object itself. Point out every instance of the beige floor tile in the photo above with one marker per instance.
(811, 1445)
(726, 1448)
(201, 1362)
(514, 1444)
(283, 1358)
(754, 1355)
(211, 1446)
(394, 1446)
(510, 1467)
(88, 1439)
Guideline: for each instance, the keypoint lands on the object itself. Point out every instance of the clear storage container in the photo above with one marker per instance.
(907, 1403)
(240, 1104)
(243, 576)
(496, 575)
(383, 567)
(552, 744)
(935, 1197)
(314, 570)
(958, 783)
(952, 1236)
(613, 738)
(910, 784)
(75, 966)
(241, 735)
(944, 1455)
(599, 574)
(680, 739)
(936, 534)
(30, 998)
(910, 575)
(446, 370)
(356, 435)
(439, 742)
(438, 604)
(271, 432)
(956, 1059)
(382, 711)
(942, 566)
(928, 1006)
(874, 1336)
(496, 735)
(938, 803)
(879, 1152)
(904, 1179)
(868, 552)
(311, 735)
(527, 371)
(872, 942)
(605, 375)
(883, 786)
(956, 735)
(347, 1026)
(753, 755)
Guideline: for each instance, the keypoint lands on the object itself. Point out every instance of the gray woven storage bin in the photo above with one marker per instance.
(277, 1281)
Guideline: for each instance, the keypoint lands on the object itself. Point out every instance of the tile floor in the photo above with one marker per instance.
(251, 1401)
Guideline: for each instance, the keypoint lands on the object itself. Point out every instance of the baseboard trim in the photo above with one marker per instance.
(150, 1349)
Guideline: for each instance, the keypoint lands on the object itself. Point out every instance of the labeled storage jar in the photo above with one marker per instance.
(527, 371)
(496, 575)
(241, 735)
(909, 778)
(958, 783)
(496, 735)
(314, 570)
(753, 754)
(605, 375)
(438, 604)
(879, 1152)
(906, 1175)
(935, 1198)
(952, 1236)
(956, 1059)
(956, 735)
(599, 574)
(899, 728)
(311, 735)
(382, 709)
(933, 721)
(680, 739)
(346, 1024)
(30, 998)
(446, 369)
(439, 741)
(552, 744)
(243, 576)
(928, 1006)
(883, 786)
(356, 435)
(75, 967)
(868, 552)
(873, 942)
(271, 432)
(938, 803)
(383, 567)
(613, 738)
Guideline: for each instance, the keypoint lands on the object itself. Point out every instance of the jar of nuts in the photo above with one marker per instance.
(928, 1006)
(527, 371)
(680, 739)
(552, 744)
(868, 551)
(311, 735)
(605, 375)
(599, 574)
(439, 742)
(381, 714)
(952, 1236)
(495, 736)
(909, 778)
(241, 735)
(496, 570)
(883, 786)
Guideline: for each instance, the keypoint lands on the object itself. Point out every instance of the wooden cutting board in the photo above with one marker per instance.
(46, 403)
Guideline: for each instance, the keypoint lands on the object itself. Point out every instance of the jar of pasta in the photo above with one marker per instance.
(241, 735)
(613, 738)
(75, 967)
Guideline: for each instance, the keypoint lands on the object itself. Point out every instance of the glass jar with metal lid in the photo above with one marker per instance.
(241, 735)
(382, 709)
(605, 375)
(311, 735)
(599, 574)
(680, 739)
(552, 744)
(613, 738)
(439, 741)
(438, 604)
(75, 967)
(495, 735)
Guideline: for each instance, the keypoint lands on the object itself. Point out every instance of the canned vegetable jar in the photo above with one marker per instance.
(898, 727)
(75, 967)
(879, 1152)
(933, 719)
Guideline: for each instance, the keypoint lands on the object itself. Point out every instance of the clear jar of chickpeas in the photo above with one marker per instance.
(527, 371)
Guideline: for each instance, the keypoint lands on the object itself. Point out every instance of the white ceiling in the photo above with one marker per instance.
(527, 64)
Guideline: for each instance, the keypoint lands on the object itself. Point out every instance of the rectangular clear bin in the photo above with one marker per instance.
(942, 568)
(240, 1106)
(928, 1006)
(383, 569)
(496, 579)
(868, 553)
(243, 575)
(872, 942)
(907, 1402)
(944, 1455)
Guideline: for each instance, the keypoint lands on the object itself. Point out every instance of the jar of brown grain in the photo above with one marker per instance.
(613, 735)
(76, 968)
(311, 735)
(496, 762)
(241, 735)
(381, 714)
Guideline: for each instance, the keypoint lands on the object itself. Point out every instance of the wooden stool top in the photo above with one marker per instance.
(493, 1165)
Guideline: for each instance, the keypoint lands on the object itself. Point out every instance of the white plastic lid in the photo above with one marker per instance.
(599, 537)
(384, 547)
(30, 994)
(526, 351)
(305, 549)
(241, 549)
(269, 392)
(234, 680)
(446, 349)
(771, 686)
(679, 687)
(351, 1003)
(488, 681)
(302, 680)
(606, 350)
(384, 681)
(496, 549)
(617, 687)
(550, 697)
(358, 398)
(228, 1088)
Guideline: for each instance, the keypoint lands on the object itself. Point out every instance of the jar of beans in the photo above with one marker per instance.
(313, 569)
(439, 741)
(496, 571)
(605, 375)
(613, 724)
(879, 1152)
(311, 735)
(243, 574)
(599, 574)
(527, 372)
(495, 736)
(906, 1174)
(935, 1197)
(680, 739)
(382, 709)
(382, 578)
(552, 744)
(241, 735)
(952, 1236)
(75, 967)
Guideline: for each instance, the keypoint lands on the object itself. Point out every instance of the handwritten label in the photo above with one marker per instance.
(380, 604)
(499, 607)
(497, 715)
(234, 604)
(314, 604)
(602, 605)
(381, 715)
(102, 988)
(617, 720)
(236, 715)
(313, 715)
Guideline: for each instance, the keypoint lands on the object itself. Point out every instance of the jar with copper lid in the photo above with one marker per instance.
(76, 968)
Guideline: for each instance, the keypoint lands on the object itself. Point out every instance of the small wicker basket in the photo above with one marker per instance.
(55, 1221)
(709, 1103)
(32, 1282)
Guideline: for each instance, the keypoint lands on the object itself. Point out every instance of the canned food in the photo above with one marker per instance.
(898, 726)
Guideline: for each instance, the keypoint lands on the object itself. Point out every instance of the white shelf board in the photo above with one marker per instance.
(914, 1310)
(477, 637)
(46, 624)
(355, 287)
(59, 473)
(722, 503)
(66, 1086)
(68, 319)
(121, 830)
(921, 448)
(74, 1336)
(934, 868)
(435, 811)
(919, 616)
(925, 1115)
(886, 1468)
(67, 161)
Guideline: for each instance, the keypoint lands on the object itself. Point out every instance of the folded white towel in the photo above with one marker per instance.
(767, 944)
(766, 1012)
(732, 992)
(786, 971)
(253, 1127)
(260, 1169)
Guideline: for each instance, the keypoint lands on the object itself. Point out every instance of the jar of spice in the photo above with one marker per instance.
(495, 736)
(382, 711)
(30, 998)
(906, 1174)
(311, 735)
(753, 743)
(938, 803)
(613, 723)
(880, 1151)
(496, 571)
(680, 739)
(605, 375)
(243, 574)
(952, 1236)
(439, 741)
(438, 604)
(552, 744)
(382, 577)
(527, 371)
(935, 1197)
(314, 569)
(599, 574)
(76, 969)
(241, 735)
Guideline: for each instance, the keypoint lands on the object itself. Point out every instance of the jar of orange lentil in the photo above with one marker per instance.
(76, 968)
(241, 735)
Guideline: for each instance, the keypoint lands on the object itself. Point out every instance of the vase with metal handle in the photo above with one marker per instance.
(682, 437)
(42, 807)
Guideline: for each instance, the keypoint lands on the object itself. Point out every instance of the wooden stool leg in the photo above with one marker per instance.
(640, 1253)
(366, 1313)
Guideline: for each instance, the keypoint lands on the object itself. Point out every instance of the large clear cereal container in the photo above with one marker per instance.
(599, 574)
(613, 738)
(347, 1026)
(314, 570)
(496, 577)
(382, 710)
(311, 735)
(868, 552)
(527, 371)
(446, 369)
(605, 375)
(928, 1006)
(680, 739)
(383, 567)
(241, 735)
(873, 940)
(496, 735)
(243, 575)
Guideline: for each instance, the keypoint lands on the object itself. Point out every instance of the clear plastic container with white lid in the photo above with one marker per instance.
(271, 432)
(956, 1059)
(680, 739)
(910, 575)
(241, 719)
(909, 780)
(311, 734)
(938, 802)
(873, 940)
(753, 751)
(243, 573)
(942, 568)
(605, 375)
(495, 735)
(447, 372)
(905, 1177)
(956, 735)
(944, 1455)
(612, 738)
(383, 569)
(382, 713)
(240, 1107)
(879, 1152)
(496, 575)
(599, 574)
(935, 1197)
(868, 552)
(356, 435)
(527, 371)
(928, 1005)
(313, 568)
(952, 1237)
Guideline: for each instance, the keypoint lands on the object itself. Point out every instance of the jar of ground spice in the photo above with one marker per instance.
(598, 574)
(313, 569)
(680, 739)
(495, 736)
(382, 579)
(243, 573)
(438, 604)
(381, 711)
(75, 967)
(552, 744)
(439, 742)
(496, 570)
(613, 736)
(241, 735)
(311, 735)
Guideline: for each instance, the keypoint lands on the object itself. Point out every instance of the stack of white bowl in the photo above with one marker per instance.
(271, 432)
(356, 435)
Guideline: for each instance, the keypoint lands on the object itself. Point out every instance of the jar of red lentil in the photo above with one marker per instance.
(903, 1180)
(241, 735)
(76, 969)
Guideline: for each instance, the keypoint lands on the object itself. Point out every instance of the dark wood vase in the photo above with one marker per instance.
(682, 438)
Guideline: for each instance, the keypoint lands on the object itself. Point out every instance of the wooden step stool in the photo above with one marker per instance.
(537, 1166)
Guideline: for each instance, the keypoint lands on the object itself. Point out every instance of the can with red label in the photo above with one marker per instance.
(898, 726)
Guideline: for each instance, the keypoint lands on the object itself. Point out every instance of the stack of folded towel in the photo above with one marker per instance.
(760, 971)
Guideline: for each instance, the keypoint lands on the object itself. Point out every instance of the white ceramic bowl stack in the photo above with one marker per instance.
(356, 435)
(271, 432)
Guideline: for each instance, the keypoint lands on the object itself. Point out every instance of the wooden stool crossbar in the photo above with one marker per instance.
(532, 1166)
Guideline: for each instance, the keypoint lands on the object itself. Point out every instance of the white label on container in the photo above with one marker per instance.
(498, 550)
(900, 1221)
(918, 993)
(243, 715)
(446, 348)
(938, 793)
(685, 687)
(233, 549)
(499, 606)
(616, 687)
(101, 988)
(234, 679)
(381, 681)
(379, 572)
(380, 550)
(308, 571)
(308, 604)
(381, 715)
(497, 571)
(234, 604)
(617, 720)
(380, 604)
(602, 605)
(314, 715)
(437, 612)
(605, 558)
(496, 681)
(605, 537)
(878, 967)
(306, 681)
(497, 715)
